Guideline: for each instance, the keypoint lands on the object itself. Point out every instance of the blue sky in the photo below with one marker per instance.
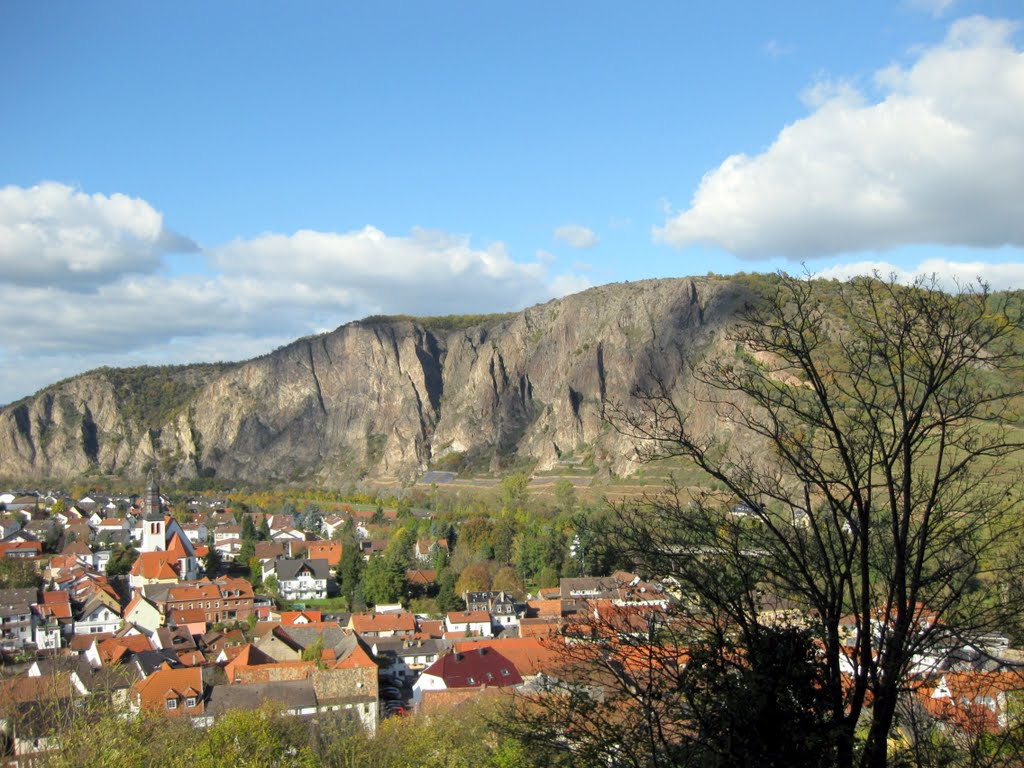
(200, 181)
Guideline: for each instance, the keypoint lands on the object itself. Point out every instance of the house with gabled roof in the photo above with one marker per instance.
(973, 702)
(372, 624)
(117, 650)
(403, 659)
(173, 692)
(324, 550)
(481, 667)
(302, 579)
(532, 656)
(333, 524)
(154, 568)
(29, 550)
(221, 600)
(54, 621)
(16, 625)
(97, 615)
(279, 645)
(300, 617)
(425, 549)
(465, 623)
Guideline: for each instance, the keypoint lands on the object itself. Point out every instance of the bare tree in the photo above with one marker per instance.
(861, 461)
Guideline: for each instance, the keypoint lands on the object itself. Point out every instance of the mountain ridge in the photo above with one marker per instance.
(382, 397)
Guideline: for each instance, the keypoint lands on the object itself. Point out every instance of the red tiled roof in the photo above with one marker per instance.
(483, 666)
(290, 617)
(383, 622)
(116, 649)
(530, 655)
(469, 617)
(156, 565)
(35, 547)
(166, 683)
(421, 576)
(324, 550)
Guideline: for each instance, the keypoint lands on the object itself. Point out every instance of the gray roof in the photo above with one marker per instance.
(401, 647)
(341, 641)
(293, 694)
(176, 638)
(156, 593)
(288, 569)
(15, 600)
(149, 662)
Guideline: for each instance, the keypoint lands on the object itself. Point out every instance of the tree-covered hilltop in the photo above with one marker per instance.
(442, 323)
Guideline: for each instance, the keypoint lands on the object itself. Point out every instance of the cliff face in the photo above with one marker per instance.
(381, 399)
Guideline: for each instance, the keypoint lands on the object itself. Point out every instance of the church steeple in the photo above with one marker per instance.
(154, 533)
(151, 503)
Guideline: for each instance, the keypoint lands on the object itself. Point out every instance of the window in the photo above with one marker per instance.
(471, 681)
(172, 703)
(504, 673)
(190, 701)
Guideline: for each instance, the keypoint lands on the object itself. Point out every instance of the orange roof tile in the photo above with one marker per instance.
(530, 655)
(166, 683)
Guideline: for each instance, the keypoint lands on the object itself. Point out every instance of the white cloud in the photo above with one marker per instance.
(52, 234)
(950, 274)
(564, 285)
(259, 293)
(427, 272)
(577, 236)
(937, 160)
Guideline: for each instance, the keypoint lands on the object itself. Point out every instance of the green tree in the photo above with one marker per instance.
(272, 586)
(350, 568)
(399, 550)
(212, 560)
(121, 560)
(382, 582)
(255, 567)
(566, 499)
(18, 572)
(447, 598)
(515, 491)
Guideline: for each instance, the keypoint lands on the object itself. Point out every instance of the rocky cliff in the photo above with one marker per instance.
(382, 397)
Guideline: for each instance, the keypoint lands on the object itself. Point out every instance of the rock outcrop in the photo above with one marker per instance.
(383, 397)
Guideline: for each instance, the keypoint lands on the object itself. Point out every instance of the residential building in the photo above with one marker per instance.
(173, 692)
(476, 623)
(16, 626)
(479, 668)
(302, 579)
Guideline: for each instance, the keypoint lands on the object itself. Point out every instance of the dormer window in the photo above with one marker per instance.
(172, 703)
(190, 701)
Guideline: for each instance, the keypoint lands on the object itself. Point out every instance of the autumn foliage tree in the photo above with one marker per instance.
(861, 467)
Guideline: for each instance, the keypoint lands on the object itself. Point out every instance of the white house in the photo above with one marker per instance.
(302, 579)
(476, 623)
(96, 617)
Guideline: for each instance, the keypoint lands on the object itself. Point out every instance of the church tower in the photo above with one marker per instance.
(154, 534)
